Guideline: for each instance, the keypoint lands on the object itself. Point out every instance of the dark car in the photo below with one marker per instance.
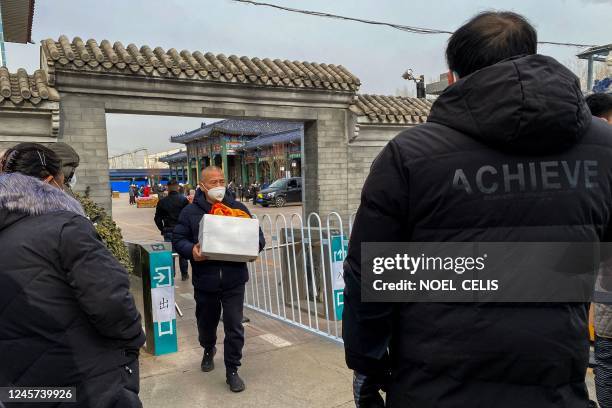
(282, 191)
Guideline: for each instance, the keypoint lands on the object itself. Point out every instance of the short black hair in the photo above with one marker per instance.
(600, 104)
(172, 185)
(488, 38)
(31, 159)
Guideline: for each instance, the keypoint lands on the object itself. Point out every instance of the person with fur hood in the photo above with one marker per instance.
(67, 318)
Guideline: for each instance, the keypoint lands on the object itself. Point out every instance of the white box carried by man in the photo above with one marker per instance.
(233, 239)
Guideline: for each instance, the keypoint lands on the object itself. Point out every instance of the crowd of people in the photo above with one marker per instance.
(246, 192)
(145, 190)
(67, 317)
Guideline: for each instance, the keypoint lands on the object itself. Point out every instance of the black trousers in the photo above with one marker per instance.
(208, 314)
(603, 371)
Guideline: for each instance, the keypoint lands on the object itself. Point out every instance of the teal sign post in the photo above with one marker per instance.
(162, 302)
(338, 254)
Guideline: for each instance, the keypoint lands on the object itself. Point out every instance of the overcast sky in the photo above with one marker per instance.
(376, 55)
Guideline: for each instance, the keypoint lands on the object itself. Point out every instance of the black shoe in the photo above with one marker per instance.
(208, 363)
(184, 277)
(235, 382)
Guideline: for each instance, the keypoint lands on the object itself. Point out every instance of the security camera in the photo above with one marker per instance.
(408, 75)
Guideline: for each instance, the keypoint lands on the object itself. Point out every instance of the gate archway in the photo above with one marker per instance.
(79, 82)
(98, 78)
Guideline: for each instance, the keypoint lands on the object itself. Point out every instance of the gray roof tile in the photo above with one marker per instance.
(391, 109)
(20, 87)
(246, 127)
(79, 55)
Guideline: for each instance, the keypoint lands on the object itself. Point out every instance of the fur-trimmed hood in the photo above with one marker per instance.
(22, 195)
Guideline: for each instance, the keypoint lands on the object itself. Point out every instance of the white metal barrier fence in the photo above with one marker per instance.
(298, 277)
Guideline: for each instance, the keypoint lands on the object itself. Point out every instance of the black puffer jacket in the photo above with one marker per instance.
(449, 180)
(168, 210)
(67, 317)
(209, 276)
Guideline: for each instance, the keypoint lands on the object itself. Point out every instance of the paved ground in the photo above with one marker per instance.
(137, 223)
(282, 365)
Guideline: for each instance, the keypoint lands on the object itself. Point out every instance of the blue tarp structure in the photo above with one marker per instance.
(123, 186)
(603, 85)
(120, 186)
(120, 179)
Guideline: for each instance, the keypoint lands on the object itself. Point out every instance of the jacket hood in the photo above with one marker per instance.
(530, 104)
(22, 196)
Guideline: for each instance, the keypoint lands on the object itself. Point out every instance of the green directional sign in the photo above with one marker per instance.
(339, 248)
(162, 302)
(162, 277)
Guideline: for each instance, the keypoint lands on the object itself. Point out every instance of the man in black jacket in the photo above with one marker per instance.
(217, 284)
(601, 105)
(466, 175)
(166, 217)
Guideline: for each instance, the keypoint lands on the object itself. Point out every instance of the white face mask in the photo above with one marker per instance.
(73, 180)
(217, 193)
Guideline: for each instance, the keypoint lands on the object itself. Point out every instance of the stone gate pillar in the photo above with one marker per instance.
(83, 126)
(324, 164)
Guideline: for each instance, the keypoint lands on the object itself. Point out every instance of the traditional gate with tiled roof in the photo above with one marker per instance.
(105, 57)
(98, 77)
(343, 130)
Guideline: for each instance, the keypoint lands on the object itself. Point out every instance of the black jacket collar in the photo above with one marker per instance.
(201, 201)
